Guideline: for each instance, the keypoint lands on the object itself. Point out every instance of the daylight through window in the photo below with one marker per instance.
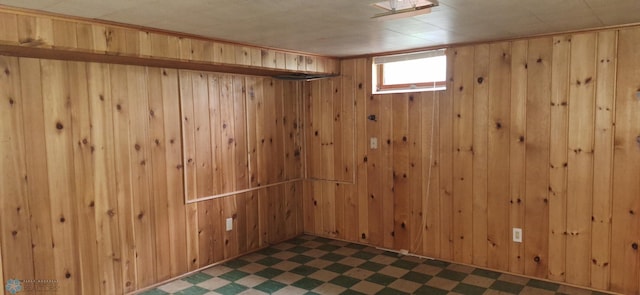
(420, 71)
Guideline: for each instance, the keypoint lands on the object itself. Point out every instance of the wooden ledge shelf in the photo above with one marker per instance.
(42, 35)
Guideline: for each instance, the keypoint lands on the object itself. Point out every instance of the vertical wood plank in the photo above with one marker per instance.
(61, 165)
(400, 171)
(362, 147)
(430, 170)
(35, 31)
(102, 138)
(9, 22)
(580, 157)
(625, 229)
(16, 232)
(462, 94)
(536, 212)
(603, 159)
(498, 235)
(124, 212)
(36, 165)
(558, 157)
(445, 153)
(84, 202)
(480, 129)
(519, 75)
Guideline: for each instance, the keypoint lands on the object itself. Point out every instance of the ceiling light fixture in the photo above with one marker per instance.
(395, 9)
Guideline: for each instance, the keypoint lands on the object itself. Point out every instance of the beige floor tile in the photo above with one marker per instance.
(213, 283)
(217, 270)
(315, 253)
(286, 265)
(246, 292)
(252, 268)
(367, 287)
(478, 281)
(287, 278)
(290, 290)
(323, 275)
(175, 286)
(405, 286)
(460, 268)
(513, 279)
(352, 261)
(442, 283)
(319, 263)
(311, 244)
(393, 271)
(386, 260)
(427, 269)
(345, 251)
(251, 281)
(329, 289)
(359, 273)
(284, 255)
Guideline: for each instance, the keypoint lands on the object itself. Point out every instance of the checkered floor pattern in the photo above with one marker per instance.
(314, 265)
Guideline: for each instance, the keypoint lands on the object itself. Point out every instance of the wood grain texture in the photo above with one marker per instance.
(95, 175)
(553, 151)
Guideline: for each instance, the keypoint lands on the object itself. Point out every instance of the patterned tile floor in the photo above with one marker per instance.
(314, 265)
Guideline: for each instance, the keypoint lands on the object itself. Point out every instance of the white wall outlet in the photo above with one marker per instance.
(229, 224)
(517, 235)
(373, 143)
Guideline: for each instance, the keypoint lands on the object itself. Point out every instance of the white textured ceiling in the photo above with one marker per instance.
(344, 27)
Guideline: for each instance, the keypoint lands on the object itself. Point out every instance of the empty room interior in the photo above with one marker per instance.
(319, 147)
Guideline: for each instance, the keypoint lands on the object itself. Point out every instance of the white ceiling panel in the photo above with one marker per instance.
(345, 27)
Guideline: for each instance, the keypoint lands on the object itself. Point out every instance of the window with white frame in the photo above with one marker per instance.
(418, 71)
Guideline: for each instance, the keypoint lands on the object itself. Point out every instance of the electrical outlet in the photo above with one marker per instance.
(229, 224)
(373, 143)
(517, 235)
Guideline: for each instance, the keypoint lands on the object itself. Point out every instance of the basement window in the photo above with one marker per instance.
(418, 71)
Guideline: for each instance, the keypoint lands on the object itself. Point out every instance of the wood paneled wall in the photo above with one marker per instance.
(23, 30)
(330, 119)
(240, 133)
(541, 134)
(91, 186)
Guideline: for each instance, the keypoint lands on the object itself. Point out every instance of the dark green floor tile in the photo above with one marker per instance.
(332, 257)
(428, 290)
(408, 265)
(437, 263)
(328, 247)
(197, 278)
(154, 292)
(302, 259)
(380, 279)
(351, 292)
(269, 261)
(270, 286)
(356, 246)
(307, 283)
(304, 270)
(452, 275)
(469, 289)
(391, 254)
(506, 287)
(269, 251)
(344, 281)
(236, 263)
(486, 273)
(543, 285)
(269, 273)
(194, 290)
(322, 240)
(234, 275)
(297, 241)
(363, 255)
(338, 268)
(231, 289)
(417, 277)
(372, 266)
(299, 249)
(390, 291)
(312, 293)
